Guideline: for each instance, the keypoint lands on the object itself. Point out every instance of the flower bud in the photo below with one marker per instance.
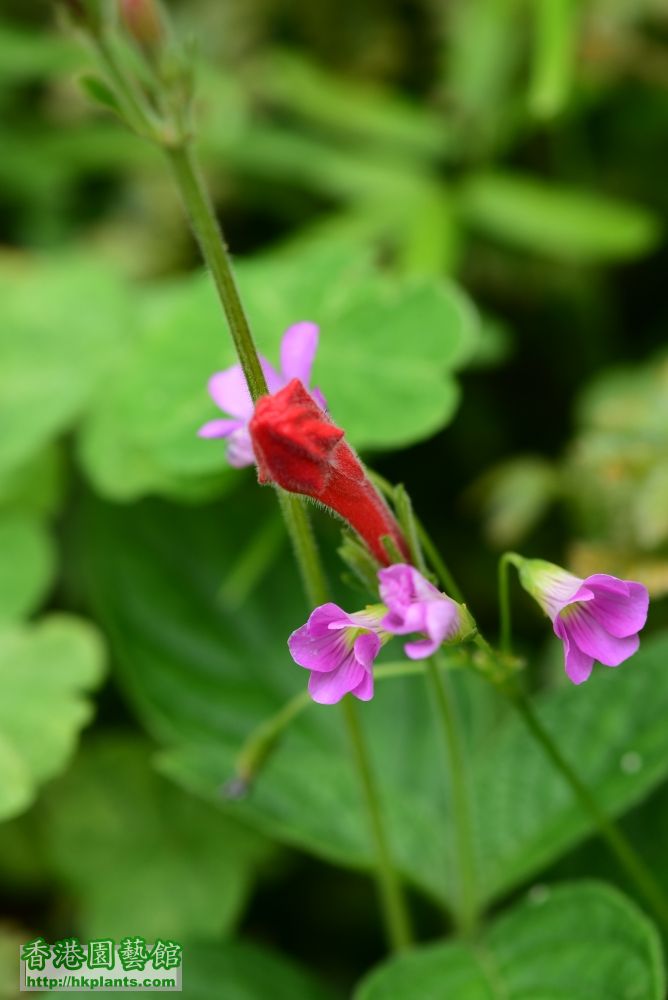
(142, 21)
(298, 447)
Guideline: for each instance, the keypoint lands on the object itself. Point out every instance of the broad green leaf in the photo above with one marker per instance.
(47, 671)
(246, 972)
(37, 485)
(27, 565)
(62, 326)
(573, 225)
(581, 941)
(202, 673)
(384, 363)
(116, 830)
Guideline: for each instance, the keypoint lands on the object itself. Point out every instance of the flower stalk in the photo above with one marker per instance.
(467, 896)
(209, 235)
(200, 213)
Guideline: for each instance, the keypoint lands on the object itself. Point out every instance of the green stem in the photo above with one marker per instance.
(623, 850)
(264, 738)
(214, 250)
(260, 743)
(433, 555)
(504, 603)
(467, 910)
(304, 547)
(393, 903)
(205, 226)
(391, 894)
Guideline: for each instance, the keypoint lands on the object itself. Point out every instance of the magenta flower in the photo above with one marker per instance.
(229, 391)
(339, 650)
(597, 618)
(416, 605)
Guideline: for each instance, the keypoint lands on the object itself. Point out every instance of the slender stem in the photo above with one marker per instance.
(467, 910)
(215, 253)
(208, 232)
(433, 555)
(264, 738)
(394, 906)
(622, 848)
(304, 547)
(504, 604)
(393, 903)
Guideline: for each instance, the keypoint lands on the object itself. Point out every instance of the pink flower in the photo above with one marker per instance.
(597, 618)
(416, 605)
(339, 649)
(229, 391)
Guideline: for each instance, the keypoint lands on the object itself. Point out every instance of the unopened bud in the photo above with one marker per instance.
(143, 22)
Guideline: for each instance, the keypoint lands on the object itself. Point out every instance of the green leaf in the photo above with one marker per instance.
(47, 672)
(116, 830)
(63, 323)
(203, 673)
(27, 566)
(576, 226)
(248, 972)
(98, 92)
(36, 486)
(385, 361)
(580, 941)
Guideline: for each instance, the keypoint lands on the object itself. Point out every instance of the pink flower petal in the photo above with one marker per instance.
(590, 637)
(218, 428)
(323, 654)
(274, 380)
(620, 606)
(328, 688)
(366, 649)
(240, 448)
(319, 398)
(229, 391)
(328, 616)
(440, 619)
(364, 690)
(578, 665)
(298, 348)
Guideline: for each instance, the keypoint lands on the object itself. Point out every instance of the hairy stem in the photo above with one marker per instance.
(214, 250)
(394, 907)
(209, 235)
(467, 908)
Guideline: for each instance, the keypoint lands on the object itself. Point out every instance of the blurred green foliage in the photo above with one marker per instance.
(470, 200)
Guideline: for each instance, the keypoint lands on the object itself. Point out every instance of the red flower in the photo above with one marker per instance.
(298, 447)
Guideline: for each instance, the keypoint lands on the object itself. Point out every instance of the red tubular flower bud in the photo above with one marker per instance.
(142, 21)
(298, 447)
